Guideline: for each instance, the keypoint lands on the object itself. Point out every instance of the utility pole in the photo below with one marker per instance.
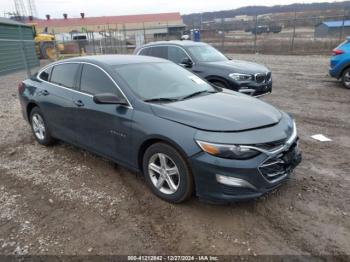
(222, 34)
(255, 32)
(32, 8)
(293, 36)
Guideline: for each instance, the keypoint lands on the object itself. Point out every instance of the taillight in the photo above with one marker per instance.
(20, 87)
(337, 52)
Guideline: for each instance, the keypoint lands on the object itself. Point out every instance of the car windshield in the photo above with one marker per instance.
(162, 81)
(206, 53)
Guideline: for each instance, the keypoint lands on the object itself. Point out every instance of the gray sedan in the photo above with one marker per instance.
(157, 118)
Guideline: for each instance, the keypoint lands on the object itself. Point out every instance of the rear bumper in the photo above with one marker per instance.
(243, 179)
(23, 104)
(338, 64)
(334, 73)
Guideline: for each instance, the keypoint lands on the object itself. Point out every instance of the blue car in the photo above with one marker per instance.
(340, 63)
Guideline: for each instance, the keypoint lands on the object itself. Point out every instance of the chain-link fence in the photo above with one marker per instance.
(112, 41)
(259, 34)
(296, 34)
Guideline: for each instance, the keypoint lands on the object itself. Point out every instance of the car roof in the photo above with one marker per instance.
(183, 43)
(115, 60)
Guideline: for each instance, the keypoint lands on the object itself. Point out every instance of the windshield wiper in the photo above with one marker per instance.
(198, 93)
(161, 99)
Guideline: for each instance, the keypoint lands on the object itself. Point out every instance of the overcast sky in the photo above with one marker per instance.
(117, 7)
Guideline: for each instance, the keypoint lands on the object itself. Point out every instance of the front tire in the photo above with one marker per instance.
(346, 78)
(167, 173)
(48, 50)
(39, 127)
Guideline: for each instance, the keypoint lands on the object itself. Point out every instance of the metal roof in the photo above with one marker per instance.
(7, 21)
(104, 20)
(337, 23)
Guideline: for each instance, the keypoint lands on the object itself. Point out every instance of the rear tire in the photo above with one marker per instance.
(346, 78)
(40, 128)
(167, 173)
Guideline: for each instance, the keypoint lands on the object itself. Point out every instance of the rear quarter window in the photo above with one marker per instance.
(157, 51)
(46, 74)
(160, 51)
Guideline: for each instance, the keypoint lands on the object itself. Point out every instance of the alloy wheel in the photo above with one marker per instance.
(38, 126)
(346, 79)
(164, 173)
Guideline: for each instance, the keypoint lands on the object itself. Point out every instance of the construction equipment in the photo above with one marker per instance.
(45, 45)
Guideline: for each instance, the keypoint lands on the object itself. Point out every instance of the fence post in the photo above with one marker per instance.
(255, 32)
(167, 30)
(125, 42)
(342, 28)
(293, 36)
(24, 56)
(55, 44)
(222, 35)
(144, 33)
(93, 41)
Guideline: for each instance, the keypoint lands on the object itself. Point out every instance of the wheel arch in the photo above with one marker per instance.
(157, 139)
(345, 67)
(30, 107)
(214, 78)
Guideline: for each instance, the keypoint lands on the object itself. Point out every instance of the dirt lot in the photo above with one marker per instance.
(63, 200)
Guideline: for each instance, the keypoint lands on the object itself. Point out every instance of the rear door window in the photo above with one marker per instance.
(64, 75)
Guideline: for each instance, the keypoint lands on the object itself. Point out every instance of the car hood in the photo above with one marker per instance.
(238, 66)
(224, 111)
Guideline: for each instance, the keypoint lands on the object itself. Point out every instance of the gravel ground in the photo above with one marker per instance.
(63, 200)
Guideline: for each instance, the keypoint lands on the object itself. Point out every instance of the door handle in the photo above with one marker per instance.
(44, 92)
(79, 103)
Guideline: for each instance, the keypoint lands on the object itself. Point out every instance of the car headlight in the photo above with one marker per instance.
(241, 77)
(227, 151)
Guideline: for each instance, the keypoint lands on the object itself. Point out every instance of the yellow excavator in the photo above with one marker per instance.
(45, 45)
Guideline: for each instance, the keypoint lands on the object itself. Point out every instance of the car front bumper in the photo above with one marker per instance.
(253, 88)
(227, 180)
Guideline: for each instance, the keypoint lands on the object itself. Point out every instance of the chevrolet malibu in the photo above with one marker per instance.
(155, 117)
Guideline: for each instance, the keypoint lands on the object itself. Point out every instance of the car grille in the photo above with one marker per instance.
(263, 77)
(230, 190)
(275, 168)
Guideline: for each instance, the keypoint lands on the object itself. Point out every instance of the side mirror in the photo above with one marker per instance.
(108, 98)
(186, 62)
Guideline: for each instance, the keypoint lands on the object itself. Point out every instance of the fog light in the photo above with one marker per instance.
(233, 181)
